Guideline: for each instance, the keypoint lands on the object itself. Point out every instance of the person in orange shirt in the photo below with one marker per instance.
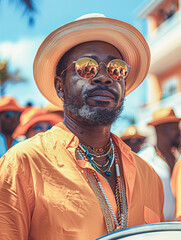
(133, 138)
(10, 112)
(34, 120)
(176, 189)
(79, 181)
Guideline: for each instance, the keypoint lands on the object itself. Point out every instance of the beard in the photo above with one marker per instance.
(91, 115)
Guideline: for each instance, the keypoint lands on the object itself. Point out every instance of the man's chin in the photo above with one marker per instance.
(102, 113)
(98, 115)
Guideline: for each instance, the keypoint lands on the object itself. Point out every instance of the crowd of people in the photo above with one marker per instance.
(63, 174)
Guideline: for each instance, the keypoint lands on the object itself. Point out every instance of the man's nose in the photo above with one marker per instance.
(102, 77)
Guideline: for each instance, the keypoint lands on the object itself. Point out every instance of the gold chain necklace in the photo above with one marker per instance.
(120, 195)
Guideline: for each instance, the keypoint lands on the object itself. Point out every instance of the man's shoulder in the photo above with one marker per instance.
(139, 160)
(144, 168)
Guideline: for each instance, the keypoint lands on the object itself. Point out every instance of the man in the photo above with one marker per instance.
(10, 112)
(79, 181)
(160, 156)
(176, 189)
(34, 120)
(133, 138)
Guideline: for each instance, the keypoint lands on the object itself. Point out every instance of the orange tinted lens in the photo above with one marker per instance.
(86, 67)
(117, 69)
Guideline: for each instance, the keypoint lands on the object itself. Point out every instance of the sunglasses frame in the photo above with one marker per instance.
(12, 114)
(74, 62)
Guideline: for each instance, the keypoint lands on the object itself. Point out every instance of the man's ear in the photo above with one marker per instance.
(58, 81)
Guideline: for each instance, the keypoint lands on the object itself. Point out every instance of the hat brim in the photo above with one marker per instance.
(164, 120)
(22, 129)
(126, 38)
(133, 136)
(11, 108)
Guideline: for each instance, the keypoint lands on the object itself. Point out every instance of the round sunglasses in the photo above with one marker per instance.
(12, 114)
(88, 68)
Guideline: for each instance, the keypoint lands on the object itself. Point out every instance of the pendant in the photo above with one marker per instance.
(118, 228)
(108, 173)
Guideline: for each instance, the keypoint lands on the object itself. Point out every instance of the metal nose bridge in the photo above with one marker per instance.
(104, 65)
(98, 78)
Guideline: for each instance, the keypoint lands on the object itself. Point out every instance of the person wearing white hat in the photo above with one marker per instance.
(79, 181)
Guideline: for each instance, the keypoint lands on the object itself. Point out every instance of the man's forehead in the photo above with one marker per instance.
(92, 44)
(93, 49)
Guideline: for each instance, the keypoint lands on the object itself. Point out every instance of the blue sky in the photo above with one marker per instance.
(19, 41)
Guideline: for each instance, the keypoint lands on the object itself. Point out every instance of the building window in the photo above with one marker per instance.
(170, 87)
(166, 11)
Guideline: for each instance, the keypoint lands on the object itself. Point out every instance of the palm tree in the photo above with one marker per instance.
(29, 8)
(6, 76)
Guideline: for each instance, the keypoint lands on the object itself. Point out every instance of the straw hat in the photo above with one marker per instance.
(92, 27)
(131, 132)
(34, 115)
(53, 108)
(9, 104)
(163, 115)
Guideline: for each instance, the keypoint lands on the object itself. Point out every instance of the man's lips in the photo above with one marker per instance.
(101, 95)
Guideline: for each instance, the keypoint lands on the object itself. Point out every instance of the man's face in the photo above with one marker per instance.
(134, 144)
(172, 131)
(9, 120)
(95, 101)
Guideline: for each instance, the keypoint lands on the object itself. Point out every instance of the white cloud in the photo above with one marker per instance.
(20, 54)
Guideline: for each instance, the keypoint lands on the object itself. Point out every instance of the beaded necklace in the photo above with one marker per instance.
(83, 152)
(99, 150)
(120, 193)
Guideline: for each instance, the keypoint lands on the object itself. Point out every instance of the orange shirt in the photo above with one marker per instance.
(176, 188)
(44, 192)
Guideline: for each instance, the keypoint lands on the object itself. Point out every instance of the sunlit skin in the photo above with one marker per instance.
(32, 131)
(94, 136)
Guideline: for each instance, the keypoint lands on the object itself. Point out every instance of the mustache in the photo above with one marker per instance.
(86, 93)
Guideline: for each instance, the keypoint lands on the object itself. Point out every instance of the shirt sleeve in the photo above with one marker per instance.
(15, 199)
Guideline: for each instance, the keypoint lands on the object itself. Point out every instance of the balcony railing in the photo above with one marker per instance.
(167, 27)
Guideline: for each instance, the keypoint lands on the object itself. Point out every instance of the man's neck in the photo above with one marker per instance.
(166, 151)
(94, 136)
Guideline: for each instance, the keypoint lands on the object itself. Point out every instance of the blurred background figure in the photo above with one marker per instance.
(54, 109)
(161, 156)
(10, 113)
(176, 188)
(133, 138)
(34, 120)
